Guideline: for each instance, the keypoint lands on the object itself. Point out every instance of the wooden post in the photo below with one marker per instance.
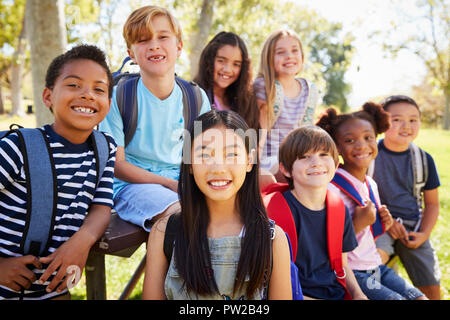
(95, 276)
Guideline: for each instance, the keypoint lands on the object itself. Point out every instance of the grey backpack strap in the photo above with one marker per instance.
(101, 150)
(41, 190)
(420, 171)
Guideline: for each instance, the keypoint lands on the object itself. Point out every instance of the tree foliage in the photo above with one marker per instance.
(427, 36)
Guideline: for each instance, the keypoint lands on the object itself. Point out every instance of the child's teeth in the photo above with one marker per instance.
(85, 110)
(219, 183)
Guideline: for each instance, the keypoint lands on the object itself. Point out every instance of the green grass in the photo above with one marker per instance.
(434, 141)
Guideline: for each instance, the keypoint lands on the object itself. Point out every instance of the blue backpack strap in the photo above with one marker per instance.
(124, 62)
(349, 189)
(377, 227)
(41, 190)
(192, 101)
(126, 97)
(101, 151)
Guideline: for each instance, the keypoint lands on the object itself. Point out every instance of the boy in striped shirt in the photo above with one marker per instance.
(78, 92)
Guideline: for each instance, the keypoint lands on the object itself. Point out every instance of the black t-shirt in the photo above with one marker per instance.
(316, 276)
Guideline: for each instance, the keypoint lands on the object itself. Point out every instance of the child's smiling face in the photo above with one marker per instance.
(405, 124)
(79, 99)
(219, 163)
(227, 66)
(287, 58)
(356, 143)
(314, 169)
(157, 51)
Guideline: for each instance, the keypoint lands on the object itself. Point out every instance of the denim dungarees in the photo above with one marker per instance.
(225, 253)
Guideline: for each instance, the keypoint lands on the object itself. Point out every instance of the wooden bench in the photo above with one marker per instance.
(121, 239)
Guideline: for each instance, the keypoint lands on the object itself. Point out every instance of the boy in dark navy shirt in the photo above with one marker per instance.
(308, 159)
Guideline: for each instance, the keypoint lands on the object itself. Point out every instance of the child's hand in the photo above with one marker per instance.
(73, 252)
(415, 239)
(364, 216)
(386, 218)
(15, 274)
(398, 231)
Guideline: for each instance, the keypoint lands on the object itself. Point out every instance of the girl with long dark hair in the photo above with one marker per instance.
(224, 246)
(225, 75)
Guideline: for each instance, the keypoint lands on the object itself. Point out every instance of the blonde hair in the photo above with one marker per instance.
(140, 22)
(267, 67)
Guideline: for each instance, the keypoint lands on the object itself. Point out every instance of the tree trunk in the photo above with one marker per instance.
(199, 38)
(446, 122)
(16, 75)
(46, 34)
(2, 106)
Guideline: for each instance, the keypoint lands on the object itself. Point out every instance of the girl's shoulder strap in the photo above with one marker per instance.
(172, 227)
(311, 103)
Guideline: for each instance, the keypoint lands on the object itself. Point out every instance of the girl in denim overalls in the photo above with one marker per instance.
(223, 246)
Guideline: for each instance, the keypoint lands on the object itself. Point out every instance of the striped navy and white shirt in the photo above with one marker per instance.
(76, 179)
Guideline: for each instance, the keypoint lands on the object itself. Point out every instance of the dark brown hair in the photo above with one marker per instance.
(240, 93)
(387, 102)
(192, 254)
(330, 121)
(303, 140)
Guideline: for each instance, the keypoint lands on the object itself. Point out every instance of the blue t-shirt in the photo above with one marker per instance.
(394, 175)
(157, 144)
(316, 276)
(76, 176)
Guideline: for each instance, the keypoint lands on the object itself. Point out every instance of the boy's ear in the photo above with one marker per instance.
(284, 171)
(47, 97)
(131, 55)
(179, 48)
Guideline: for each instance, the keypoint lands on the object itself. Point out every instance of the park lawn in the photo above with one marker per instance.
(434, 141)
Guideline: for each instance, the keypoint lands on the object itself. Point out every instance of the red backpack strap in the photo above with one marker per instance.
(278, 210)
(335, 234)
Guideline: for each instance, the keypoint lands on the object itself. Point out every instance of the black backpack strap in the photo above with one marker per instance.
(41, 191)
(126, 98)
(172, 227)
(192, 101)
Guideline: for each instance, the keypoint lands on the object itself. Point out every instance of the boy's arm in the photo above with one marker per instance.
(430, 215)
(350, 281)
(126, 171)
(74, 252)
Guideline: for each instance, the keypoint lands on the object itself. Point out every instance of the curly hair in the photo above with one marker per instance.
(239, 93)
(84, 51)
(372, 112)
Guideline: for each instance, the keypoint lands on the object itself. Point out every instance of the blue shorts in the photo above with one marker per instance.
(139, 203)
(382, 283)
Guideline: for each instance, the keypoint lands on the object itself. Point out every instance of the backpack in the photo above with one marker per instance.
(278, 209)
(349, 189)
(297, 293)
(42, 193)
(126, 99)
(420, 172)
(173, 224)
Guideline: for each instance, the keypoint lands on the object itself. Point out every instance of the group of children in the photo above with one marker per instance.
(210, 233)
